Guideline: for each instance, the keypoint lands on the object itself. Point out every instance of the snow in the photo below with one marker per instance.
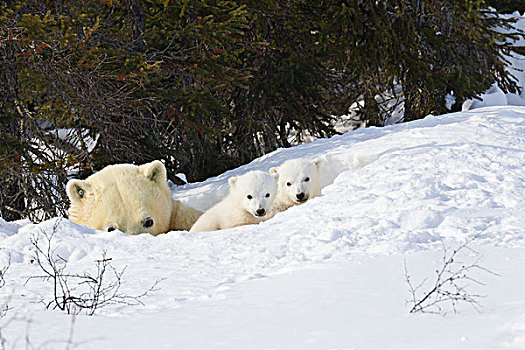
(328, 274)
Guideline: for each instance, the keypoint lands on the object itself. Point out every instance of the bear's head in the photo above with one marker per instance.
(133, 199)
(299, 180)
(255, 191)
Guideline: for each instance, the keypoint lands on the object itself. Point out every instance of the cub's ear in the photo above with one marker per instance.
(154, 171)
(274, 170)
(232, 181)
(275, 175)
(318, 162)
(76, 190)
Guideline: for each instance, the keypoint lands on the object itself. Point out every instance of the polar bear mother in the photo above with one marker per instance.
(131, 198)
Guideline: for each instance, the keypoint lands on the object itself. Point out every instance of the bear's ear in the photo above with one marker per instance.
(275, 175)
(232, 181)
(154, 171)
(318, 162)
(76, 190)
(274, 170)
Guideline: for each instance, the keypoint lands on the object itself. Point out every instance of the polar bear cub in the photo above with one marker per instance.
(299, 180)
(247, 202)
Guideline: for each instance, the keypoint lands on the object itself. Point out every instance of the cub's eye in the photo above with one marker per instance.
(288, 184)
(111, 228)
(307, 179)
(148, 223)
(267, 195)
(249, 196)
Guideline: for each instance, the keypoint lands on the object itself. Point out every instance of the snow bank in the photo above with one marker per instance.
(326, 274)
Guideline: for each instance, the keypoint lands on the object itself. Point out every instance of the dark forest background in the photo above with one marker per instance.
(206, 86)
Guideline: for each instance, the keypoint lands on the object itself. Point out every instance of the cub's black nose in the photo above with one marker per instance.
(261, 212)
(300, 196)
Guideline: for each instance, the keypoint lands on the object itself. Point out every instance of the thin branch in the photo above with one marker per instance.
(77, 292)
(451, 285)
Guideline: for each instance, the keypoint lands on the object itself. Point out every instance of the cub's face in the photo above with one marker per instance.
(254, 191)
(299, 180)
(126, 197)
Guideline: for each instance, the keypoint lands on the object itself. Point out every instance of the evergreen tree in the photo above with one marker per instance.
(209, 85)
(147, 80)
(508, 6)
(415, 51)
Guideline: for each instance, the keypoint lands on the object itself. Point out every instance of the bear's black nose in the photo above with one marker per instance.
(300, 195)
(261, 212)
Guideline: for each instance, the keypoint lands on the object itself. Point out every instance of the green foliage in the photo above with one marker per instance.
(508, 6)
(427, 49)
(209, 85)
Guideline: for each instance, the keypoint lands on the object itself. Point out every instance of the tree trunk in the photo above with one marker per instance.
(139, 24)
(12, 203)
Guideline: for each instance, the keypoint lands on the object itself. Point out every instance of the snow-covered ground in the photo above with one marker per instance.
(328, 274)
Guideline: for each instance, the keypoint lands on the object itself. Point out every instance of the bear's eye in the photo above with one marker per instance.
(267, 195)
(249, 196)
(148, 222)
(307, 179)
(288, 184)
(111, 228)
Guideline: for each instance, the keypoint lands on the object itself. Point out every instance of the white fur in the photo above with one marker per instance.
(237, 208)
(299, 180)
(125, 197)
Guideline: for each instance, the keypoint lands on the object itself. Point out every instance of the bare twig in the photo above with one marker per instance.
(3, 271)
(77, 292)
(5, 307)
(451, 285)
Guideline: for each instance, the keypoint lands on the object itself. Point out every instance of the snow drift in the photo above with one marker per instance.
(326, 274)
